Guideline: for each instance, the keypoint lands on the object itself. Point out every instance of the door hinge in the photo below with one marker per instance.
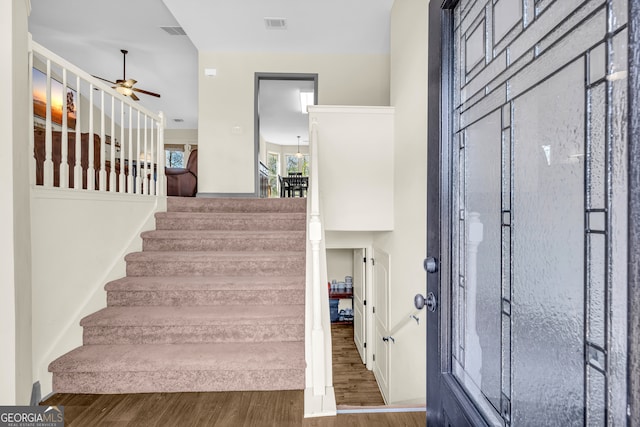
(364, 302)
(374, 357)
(365, 345)
(374, 310)
(364, 259)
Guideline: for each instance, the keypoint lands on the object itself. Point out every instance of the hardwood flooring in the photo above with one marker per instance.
(352, 382)
(227, 409)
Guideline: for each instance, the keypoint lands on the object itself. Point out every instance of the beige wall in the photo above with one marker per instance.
(407, 242)
(15, 249)
(73, 260)
(226, 104)
(181, 136)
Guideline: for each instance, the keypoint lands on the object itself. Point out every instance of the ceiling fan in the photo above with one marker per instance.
(125, 86)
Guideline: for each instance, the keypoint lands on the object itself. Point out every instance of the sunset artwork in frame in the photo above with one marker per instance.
(57, 105)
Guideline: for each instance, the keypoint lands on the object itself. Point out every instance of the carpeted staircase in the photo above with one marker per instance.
(214, 302)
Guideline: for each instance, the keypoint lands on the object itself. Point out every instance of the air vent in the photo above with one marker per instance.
(174, 31)
(275, 23)
(178, 120)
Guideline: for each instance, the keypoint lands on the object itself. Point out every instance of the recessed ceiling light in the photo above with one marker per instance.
(275, 23)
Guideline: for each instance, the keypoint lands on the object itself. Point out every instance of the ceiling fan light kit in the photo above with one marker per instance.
(125, 86)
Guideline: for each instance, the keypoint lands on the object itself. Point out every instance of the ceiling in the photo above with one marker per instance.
(90, 34)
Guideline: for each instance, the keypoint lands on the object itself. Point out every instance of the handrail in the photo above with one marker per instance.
(412, 315)
(110, 163)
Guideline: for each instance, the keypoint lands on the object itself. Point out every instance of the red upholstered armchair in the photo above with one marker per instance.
(183, 181)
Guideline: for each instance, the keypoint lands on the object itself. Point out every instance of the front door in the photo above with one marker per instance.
(528, 179)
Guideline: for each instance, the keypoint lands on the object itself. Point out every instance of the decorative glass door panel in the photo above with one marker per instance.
(538, 270)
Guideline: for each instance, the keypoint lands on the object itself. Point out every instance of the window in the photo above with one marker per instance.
(297, 164)
(273, 165)
(174, 158)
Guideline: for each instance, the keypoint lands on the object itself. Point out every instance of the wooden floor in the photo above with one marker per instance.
(228, 409)
(352, 382)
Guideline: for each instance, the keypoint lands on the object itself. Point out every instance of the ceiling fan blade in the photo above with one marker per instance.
(146, 92)
(134, 97)
(108, 81)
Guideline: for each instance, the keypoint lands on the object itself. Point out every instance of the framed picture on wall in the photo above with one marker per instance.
(57, 100)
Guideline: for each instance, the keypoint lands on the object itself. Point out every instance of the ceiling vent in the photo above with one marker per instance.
(174, 31)
(275, 23)
(178, 120)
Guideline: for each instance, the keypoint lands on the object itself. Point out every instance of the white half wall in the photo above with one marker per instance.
(407, 242)
(226, 105)
(355, 155)
(79, 243)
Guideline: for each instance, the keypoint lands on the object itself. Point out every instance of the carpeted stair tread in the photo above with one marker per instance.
(219, 240)
(198, 315)
(230, 221)
(206, 283)
(236, 205)
(220, 234)
(199, 256)
(182, 357)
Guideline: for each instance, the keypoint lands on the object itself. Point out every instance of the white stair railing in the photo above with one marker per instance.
(319, 393)
(68, 105)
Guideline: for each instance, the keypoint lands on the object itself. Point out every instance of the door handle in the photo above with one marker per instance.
(430, 301)
(431, 264)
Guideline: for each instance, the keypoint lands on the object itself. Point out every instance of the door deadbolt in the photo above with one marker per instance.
(431, 265)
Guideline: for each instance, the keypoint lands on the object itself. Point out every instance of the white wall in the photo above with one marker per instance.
(355, 155)
(80, 240)
(339, 264)
(407, 242)
(226, 104)
(181, 136)
(15, 249)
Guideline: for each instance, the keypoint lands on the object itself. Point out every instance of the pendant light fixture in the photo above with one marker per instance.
(299, 154)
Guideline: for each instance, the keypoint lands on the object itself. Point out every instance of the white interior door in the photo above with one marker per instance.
(359, 309)
(381, 321)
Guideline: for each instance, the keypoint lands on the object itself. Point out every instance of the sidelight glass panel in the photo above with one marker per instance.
(597, 283)
(548, 238)
(596, 176)
(483, 236)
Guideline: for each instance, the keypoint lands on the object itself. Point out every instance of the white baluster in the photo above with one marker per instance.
(64, 141)
(102, 181)
(139, 166)
(152, 153)
(145, 179)
(77, 171)
(48, 139)
(112, 158)
(91, 172)
(131, 159)
(121, 176)
(160, 183)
